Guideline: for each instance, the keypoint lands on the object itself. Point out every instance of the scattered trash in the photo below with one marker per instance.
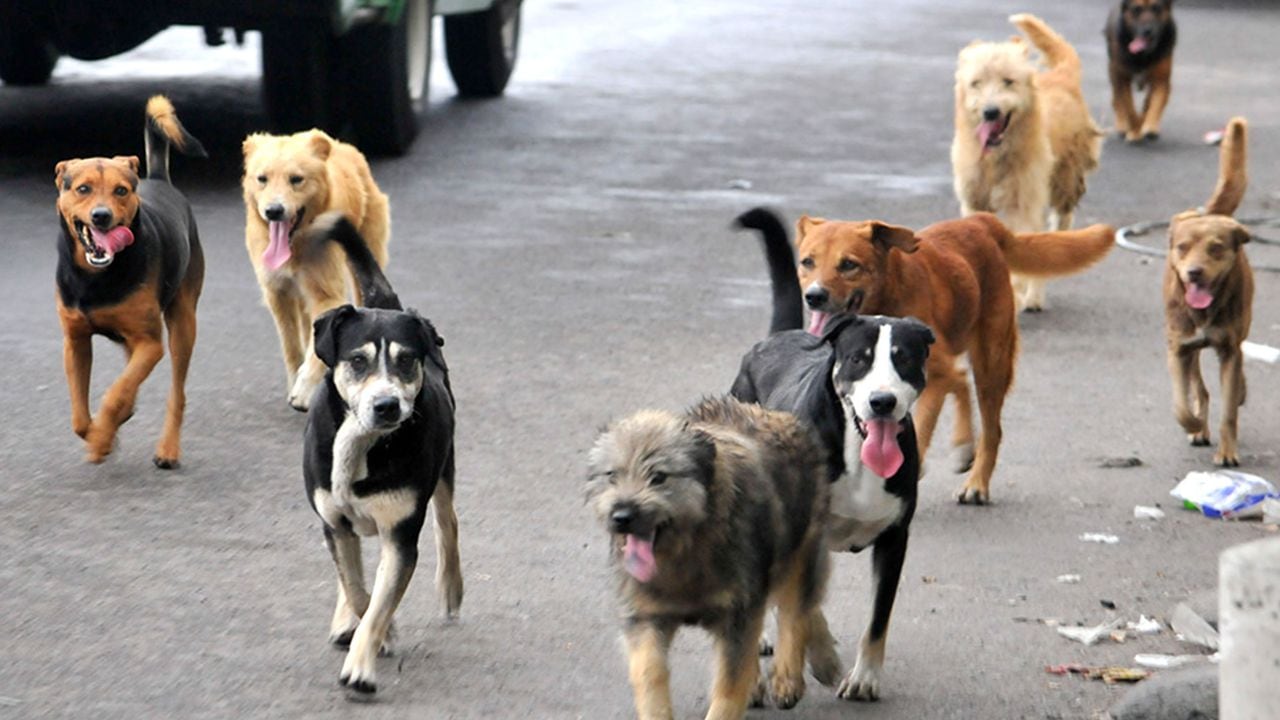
(1160, 661)
(1068, 579)
(1108, 604)
(1099, 538)
(1120, 462)
(1110, 674)
(1089, 635)
(1147, 512)
(1192, 628)
(1050, 622)
(1145, 625)
(928, 579)
(1224, 493)
(1271, 510)
(1260, 352)
(1213, 137)
(740, 184)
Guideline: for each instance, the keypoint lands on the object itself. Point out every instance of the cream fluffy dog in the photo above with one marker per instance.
(289, 181)
(1024, 139)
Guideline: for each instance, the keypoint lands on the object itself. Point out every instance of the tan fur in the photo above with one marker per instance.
(1208, 249)
(1050, 145)
(166, 118)
(334, 176)
(954, 277)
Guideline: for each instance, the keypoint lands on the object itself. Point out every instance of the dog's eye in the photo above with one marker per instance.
(807, 263)
(359, 363)
(975, 84)
(84, 189)
(847, 266)
(657, 478)
(295, 179)
(121, 191)
(1008, 82)
(405, 363)
(262, 179)
(1216, 250)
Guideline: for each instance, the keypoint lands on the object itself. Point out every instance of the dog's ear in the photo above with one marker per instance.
(325, 331)
(918, 326)
(885, 236)
(320, 145)
(703, 454)
(251, 143)
(1239, 235)
(837, 325)
(60, 181)
(130, 160)
(431, 341)
(805, 225)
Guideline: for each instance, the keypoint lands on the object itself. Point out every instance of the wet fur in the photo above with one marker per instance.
(1211, 243)
(741, 520)
(335, 176)
(1152, 68)
(152, 285)
(1049, 148)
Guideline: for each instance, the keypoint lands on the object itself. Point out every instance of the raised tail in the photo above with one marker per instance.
(1063, 252)
(1058, 53)
(162, 130)
(374, 286)
(1232, 176)
(788, 310)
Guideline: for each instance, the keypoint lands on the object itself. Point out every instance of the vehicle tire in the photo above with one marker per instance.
(481, 48)
(388, 73)
(26, 57)
(299, 77)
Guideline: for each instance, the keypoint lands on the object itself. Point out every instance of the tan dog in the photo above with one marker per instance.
(954, 276)
(289, 181)
(1208, 299)
(1024, 141)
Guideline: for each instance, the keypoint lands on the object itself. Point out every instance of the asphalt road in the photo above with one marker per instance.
(571, 242)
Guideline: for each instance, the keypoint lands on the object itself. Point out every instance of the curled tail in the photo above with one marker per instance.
(374, 286)
(788, 311)
(162, 130)
(1050, 254)
(1232, 176)
(1058, 53)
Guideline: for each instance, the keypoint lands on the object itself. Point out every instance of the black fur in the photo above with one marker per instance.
(788, 310)
(1120, 33)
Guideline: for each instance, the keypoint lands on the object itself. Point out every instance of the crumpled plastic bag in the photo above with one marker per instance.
(1224, 493)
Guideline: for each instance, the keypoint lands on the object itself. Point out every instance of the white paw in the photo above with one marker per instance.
(862, 683)
(358, 673)
(301, 392)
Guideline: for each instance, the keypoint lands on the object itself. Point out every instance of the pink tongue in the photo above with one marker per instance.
(638, 560)
(1137, 45)
(986, 130)
(1197, 297)
(880, 450)
(817, 322)
(277, 253)
(114, 240)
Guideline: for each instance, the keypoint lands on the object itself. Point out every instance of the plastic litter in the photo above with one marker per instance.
(1147, 512)
(1068, 579)
(740, 184)
(1110, 674)
(1099, 538)
(1260, 352)
(1089, 635)
(1213, 137)
(1145, 626)
(1192, 628)
(1160, 661)
(1271, 510)
(1224, 493)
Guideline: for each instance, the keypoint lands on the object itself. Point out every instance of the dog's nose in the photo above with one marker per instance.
(274, 211)
(882, 403)
(816, 297)
(387, 409)
(1195, 274)
(102, 217)
(620, 519)
(991, 113)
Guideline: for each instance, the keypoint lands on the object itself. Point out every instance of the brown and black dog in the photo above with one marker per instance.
(953, 276)
(1208, 301)
(1140, 38)
(129, 264)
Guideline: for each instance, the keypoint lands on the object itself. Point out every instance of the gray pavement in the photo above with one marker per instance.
(571, 242)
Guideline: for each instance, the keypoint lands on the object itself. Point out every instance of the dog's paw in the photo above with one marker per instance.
(862, 683)
(962, 457)
(967, 495)
(1032, 307)
(825, 665)
(1133, 137)
(1200, 439)
(341, 638)
(1227, 460)
(359, 677)
(787, 689)
(302, 390)
(165, 463)
(1151, 135)
(99, 444)
(760, 694)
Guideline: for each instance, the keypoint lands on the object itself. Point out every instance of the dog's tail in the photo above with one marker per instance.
(374, 286)
(788, 310)
(1063, 252)
(162, 130)
(1058, 53)
(1232, 175)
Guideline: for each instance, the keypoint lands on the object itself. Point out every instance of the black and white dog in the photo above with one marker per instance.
(378, 447)
(855, 384)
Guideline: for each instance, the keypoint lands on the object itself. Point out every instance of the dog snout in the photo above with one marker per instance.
(387, 410)
(882, 403)
(274, 211)
(102, 217)
(816, 297)
(621, 519)
(991, 113)
(1195, 274)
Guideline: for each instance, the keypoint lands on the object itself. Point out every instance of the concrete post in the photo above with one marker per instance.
(1249, 617)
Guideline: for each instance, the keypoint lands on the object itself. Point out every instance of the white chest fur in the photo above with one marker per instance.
(861, 509)
(351, 446)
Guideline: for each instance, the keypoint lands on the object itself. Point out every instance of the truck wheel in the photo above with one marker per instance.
(26, 58)
(481, 48)
(388, 73)
(299, 68)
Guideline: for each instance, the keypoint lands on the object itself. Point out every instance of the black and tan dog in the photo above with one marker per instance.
(1208, 299)
(378, 447)
(713, 516)
(129, 265)
(856, 385)
(1140, 38)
